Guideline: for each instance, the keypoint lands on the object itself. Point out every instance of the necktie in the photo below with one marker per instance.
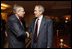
(21, 22)
(35, 34)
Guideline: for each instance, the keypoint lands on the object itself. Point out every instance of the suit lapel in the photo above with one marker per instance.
(34, 25)
(19, 22)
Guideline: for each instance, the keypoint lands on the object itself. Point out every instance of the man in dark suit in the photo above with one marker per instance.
(41, 29)
(16, 30)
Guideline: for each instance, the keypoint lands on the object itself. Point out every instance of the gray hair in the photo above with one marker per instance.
(16, 8)
(41, 8)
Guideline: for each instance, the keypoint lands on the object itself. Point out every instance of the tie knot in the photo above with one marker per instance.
(19, 19)
(37, 19)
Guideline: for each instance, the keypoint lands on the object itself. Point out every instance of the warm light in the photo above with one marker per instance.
(67, 18)
(4, 16)
(3, 8)
(5, 5)
(48, 17)
(61, 40)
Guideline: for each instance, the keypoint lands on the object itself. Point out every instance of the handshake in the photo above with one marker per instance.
(27, 34)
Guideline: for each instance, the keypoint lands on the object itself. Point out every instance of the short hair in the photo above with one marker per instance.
(41, 8)
(16, 8)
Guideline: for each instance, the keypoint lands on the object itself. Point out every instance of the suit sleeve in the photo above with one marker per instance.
(50, 34)
(17, 29)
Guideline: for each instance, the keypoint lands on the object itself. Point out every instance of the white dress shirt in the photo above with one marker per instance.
(39, 22)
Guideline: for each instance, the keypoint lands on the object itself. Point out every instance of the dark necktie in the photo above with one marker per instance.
(35, 34)
(21, 23)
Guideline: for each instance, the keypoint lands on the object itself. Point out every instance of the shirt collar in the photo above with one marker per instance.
(17, 17)
(40, 17)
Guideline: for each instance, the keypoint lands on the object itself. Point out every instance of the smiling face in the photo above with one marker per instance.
(37, 12)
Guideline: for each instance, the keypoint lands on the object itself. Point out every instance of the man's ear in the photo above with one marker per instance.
(41, 12)
(17, 12)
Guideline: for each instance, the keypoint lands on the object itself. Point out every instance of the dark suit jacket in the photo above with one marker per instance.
(16, 33)
(45, 33)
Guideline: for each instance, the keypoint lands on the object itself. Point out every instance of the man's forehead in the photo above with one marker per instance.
(36, 7)
(22, 8)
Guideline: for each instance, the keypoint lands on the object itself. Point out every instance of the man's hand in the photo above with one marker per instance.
(27, 34)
